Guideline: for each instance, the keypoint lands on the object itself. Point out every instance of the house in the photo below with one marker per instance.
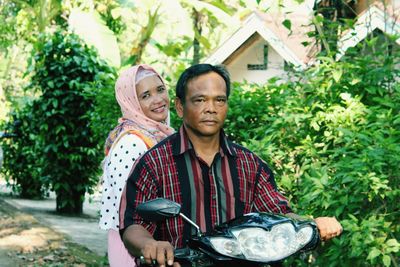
(266, 45)
(263, 47)
(376, 17)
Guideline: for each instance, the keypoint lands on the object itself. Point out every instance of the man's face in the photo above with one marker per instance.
(206, 106)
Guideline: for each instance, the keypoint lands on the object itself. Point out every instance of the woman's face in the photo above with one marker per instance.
(153, 98)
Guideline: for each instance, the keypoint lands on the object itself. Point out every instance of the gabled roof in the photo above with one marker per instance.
(269, 26)
(375, 17)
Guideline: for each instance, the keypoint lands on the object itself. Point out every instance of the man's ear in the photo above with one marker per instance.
(179, 107)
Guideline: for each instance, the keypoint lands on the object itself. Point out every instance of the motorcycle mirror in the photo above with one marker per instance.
(158, 209)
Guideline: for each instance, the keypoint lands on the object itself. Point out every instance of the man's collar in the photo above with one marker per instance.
(184, 144)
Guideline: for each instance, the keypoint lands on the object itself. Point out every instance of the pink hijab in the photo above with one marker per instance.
(133, 118)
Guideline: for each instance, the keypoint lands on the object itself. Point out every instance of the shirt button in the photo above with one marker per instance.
(214, 197)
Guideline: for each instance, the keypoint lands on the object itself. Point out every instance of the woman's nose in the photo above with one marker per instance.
(157, 98)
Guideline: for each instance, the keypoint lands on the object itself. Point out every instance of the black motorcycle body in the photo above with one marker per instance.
(254, 239)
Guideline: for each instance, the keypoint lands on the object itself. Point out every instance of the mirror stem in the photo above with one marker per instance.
(199, 234)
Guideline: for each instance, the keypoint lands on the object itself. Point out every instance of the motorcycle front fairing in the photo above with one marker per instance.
(258, 238)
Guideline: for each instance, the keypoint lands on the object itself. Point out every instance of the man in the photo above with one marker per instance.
(212, 178)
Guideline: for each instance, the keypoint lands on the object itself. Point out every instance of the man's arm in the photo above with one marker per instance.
(140, 242)
(267, 198)
(137, 234)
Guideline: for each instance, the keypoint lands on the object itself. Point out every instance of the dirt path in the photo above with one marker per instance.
(26, 242)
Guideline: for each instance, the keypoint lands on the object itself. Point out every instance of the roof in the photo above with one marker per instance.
(269, 26)
(377, 16)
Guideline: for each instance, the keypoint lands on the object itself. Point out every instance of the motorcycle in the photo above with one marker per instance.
(253, 240)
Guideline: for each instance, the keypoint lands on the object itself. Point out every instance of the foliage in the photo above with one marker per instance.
(35, 16)
(64, 71)
(332, 137)
(7, 21)
(91, 28)
(331, 134)
(107, 11)
(244, 97)
(144, 37)
(103, 117)
(21, 166)
(20, 24)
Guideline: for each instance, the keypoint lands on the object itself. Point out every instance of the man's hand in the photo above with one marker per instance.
(141, 244)
(328, 227)
(160, 252)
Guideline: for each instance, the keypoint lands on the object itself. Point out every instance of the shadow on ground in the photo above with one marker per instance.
(25, 241)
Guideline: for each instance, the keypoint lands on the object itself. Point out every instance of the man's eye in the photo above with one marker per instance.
(161, 89)
(199, 100)
(222, 100)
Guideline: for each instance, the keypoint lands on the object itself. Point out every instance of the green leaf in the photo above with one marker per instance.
(386, 260)
(354, 218)
(393, 244)
(288, 24)
(373, 254)
(315, 125)
(217, 12)
(337, 74)
(204, 41)
(355, 81)
(50, 84)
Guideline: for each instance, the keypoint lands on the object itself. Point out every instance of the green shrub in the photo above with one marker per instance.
(65, 72)
(104, 115)
(332, 138)
(21, 166)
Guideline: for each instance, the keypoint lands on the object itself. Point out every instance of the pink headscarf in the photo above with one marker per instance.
(133, 117)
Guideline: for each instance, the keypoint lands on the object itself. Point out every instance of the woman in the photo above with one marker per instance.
(144, 102)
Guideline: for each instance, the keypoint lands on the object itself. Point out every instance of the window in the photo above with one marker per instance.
(260, 66)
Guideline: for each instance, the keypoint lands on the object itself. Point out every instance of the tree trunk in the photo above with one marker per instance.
(69, 202)
(145, 36)
(197, 27)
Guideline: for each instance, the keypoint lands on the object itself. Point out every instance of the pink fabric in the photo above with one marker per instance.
(125, 92)
(132, 118)
(143, 73)
(118, 255)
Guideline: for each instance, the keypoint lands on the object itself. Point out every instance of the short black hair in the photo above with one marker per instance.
(196, 71)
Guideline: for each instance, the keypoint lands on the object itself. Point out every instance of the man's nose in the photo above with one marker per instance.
(210, 107)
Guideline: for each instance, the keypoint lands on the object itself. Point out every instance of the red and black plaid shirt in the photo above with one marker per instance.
(237, 182)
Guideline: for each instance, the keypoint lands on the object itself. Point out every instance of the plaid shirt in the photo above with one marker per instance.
(236, 183)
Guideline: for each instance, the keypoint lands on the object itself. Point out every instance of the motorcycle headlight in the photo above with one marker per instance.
(258, 244)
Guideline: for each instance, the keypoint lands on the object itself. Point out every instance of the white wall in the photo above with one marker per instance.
(255, 55)
(396, 4)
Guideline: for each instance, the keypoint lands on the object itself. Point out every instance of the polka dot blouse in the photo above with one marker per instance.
(117, 167)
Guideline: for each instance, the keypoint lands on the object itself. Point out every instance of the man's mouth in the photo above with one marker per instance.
(159, 109)
(209, 122)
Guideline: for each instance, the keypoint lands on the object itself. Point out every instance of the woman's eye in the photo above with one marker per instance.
(161, 89)
(145, 96)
